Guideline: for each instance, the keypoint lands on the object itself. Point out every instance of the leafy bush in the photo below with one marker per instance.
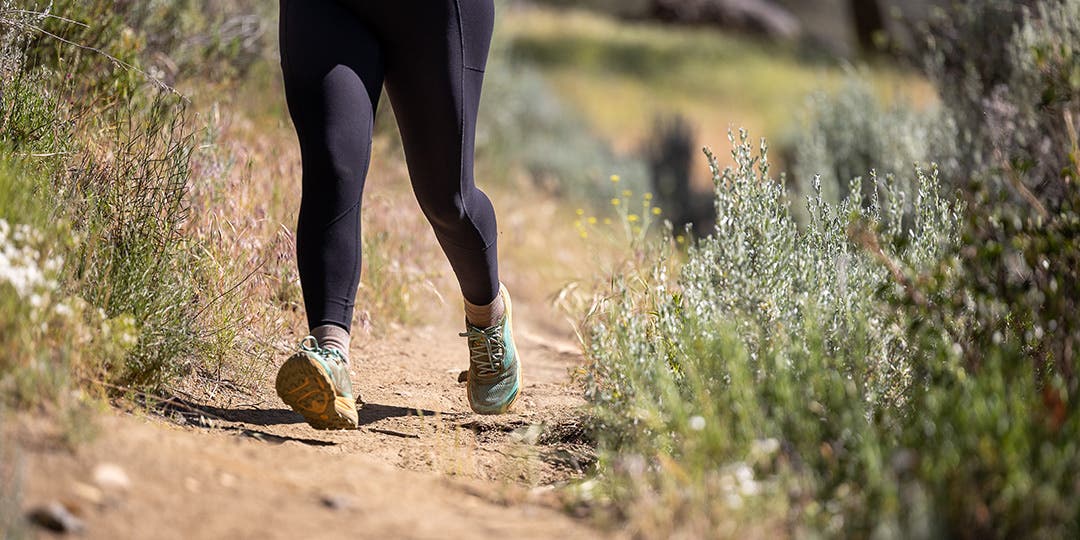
(874, 375)
(850, 133)
(136, 258)
(51, 335)
(94, 195)
(1008, 72)
(771, 338)
(117, 45)
(996, 320)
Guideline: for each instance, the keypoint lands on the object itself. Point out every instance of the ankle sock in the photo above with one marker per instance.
(332, 337)
(488, 315)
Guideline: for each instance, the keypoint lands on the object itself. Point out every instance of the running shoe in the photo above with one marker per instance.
(494, 379)
(315, 383)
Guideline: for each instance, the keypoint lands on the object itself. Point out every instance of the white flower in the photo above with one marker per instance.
(62, 309)
(19, 266)
(697, 423)
(765, 447)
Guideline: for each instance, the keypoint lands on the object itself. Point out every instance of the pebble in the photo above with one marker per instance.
(227, 480)
(109, 476)
(56, 517)
(336, 501)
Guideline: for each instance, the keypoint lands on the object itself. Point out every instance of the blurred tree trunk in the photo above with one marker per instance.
(869, 25)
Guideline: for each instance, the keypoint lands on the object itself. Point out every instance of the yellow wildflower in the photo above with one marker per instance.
(615, 178)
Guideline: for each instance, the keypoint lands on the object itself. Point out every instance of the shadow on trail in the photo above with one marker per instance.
(374, 412)
(369, 414)
(271, 438)
(255, 417)
(209, 416)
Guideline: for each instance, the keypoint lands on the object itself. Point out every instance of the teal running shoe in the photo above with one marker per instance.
(494, 380)
(315, 383)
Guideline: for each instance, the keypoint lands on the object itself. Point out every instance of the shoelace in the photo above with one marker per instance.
(311, 345)
(486, 349)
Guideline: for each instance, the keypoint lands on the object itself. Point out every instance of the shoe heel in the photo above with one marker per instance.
(307, 389)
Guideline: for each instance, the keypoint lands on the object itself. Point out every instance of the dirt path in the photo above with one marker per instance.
(420, 466)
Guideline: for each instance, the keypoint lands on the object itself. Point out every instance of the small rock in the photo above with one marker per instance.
(109, 476)
(56, 517)
(463, 376)
(191, 484)
(336, 501)
(227, 480)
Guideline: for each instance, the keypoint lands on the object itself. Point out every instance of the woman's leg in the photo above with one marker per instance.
(433, 79)
(435, 69)
(333, 73)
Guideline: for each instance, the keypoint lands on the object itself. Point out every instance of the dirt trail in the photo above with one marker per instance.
(420, 466)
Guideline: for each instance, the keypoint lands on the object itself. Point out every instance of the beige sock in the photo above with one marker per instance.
(332, 336)
(486, 316)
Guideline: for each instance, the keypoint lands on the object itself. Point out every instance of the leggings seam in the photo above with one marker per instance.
(463, 108)
(342, 215)
(450, 242)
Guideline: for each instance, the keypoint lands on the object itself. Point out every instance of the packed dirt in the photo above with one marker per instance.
(420, 466)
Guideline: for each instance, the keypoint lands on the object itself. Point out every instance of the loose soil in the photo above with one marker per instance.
(242, 465)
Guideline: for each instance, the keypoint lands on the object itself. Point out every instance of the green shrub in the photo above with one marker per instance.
(1008, 76)
(210, 38)
(51, 336)
(136, 258)
(1008, 72)
(772, 339)
(997, 319)
(118, 46)
(95, 180)
(909, 377)
(850, 133)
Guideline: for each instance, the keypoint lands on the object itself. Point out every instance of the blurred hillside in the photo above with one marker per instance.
(656, 94)
(827, 26)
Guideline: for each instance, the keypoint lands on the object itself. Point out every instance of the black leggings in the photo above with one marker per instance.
(336, 55)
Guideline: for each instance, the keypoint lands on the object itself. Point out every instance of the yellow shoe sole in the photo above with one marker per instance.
(306, 387)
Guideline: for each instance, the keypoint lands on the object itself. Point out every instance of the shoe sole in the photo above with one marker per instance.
(306, 387)
(510, 404)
